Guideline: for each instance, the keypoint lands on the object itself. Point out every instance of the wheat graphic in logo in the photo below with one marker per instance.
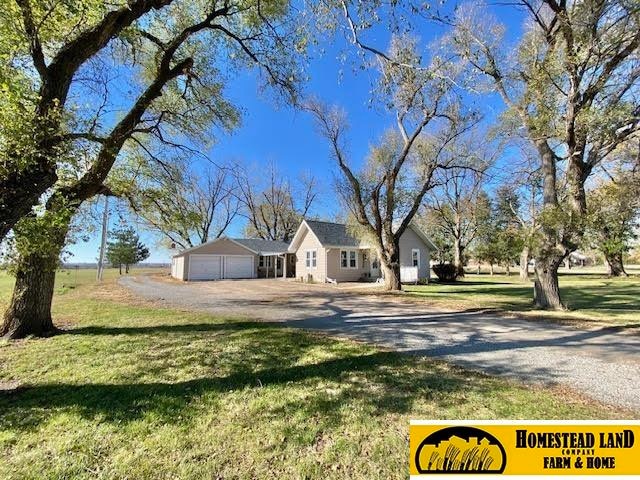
(460, 450)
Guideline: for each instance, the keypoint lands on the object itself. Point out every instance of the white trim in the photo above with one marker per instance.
(311, 259)
(349, 252)
(292, 246)
(419, 259)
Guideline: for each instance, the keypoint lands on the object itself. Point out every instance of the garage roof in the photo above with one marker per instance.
(263, 247)
(256, 246)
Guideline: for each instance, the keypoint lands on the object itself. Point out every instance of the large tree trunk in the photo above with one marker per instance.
(390, 263)
(524, 264)
(39, 241)
(546, 290)
(29, 312)
(392, 277)
(458, 257)
(491, 268)
(615, 267)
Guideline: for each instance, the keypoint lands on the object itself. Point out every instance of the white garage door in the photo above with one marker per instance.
(205, 267)
(238, 266)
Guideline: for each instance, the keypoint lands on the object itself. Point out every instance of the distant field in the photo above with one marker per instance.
(589, 294)
(68, 279)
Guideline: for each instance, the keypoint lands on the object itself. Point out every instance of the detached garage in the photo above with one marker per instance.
(227, 258)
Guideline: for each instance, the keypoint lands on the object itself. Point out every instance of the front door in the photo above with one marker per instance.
(375, 267)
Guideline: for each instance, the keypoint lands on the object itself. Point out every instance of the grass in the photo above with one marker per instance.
(590, 297)
(138, 392)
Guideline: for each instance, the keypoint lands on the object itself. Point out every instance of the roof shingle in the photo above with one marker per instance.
(332, 234)
(263, 246)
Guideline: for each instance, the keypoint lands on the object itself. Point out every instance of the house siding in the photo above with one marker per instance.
(409, 241)
(335, 271)
(223, 246)
(178, 268)
(310, 242)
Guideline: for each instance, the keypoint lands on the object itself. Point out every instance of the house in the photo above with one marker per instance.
(326, 251)
(234, 258)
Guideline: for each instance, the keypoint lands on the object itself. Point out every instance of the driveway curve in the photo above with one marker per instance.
(602, 363)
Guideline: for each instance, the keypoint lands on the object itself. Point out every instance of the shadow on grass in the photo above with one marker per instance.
(609, 297)
(390, 375)
(169, 328)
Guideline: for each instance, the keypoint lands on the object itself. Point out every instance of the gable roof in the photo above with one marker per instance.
(331, 234)
(257, 246)
(261, 246)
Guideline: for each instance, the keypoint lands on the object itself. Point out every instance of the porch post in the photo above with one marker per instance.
(284, 266)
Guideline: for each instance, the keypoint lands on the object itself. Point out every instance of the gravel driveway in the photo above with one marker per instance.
(603, 363)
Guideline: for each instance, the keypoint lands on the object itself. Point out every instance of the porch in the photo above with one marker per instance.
(276, 265)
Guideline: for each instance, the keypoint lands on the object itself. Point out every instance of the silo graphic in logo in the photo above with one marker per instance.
(460, 450)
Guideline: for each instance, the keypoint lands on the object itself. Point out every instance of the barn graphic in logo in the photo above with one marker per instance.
(460, 450)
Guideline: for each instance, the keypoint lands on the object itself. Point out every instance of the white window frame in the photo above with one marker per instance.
(265, 261)
(348, 252)
(311, 259)
(415, 250)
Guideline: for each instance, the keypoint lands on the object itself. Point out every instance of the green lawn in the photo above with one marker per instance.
(138, 392)
(589, 296)
(68, 279)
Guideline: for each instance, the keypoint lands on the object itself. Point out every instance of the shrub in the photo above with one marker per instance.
(446, 272)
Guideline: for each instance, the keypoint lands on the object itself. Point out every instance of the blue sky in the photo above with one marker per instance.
(287, 137)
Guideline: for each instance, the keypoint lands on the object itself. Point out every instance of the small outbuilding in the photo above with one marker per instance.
(231, 258)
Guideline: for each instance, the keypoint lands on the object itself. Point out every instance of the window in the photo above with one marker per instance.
(264, 262)
(415, 257)
(348, 259)
(311, 259)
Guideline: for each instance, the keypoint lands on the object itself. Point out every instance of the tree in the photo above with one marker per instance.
(126, 249)
(431, 224)
(498, 240)
(180, 97)
(509, 235)
(525, 182)
(612, 222)
(456, 207)
(484, 246)
(386, 194)
(52, 42)
(186, 207)
(571, 86)
(273, 209)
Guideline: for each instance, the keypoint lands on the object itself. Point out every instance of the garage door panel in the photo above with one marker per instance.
(241, 266)
(205, 267)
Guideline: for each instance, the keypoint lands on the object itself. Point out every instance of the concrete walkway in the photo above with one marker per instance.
(603, 363)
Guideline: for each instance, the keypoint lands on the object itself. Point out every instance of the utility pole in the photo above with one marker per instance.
(103, 242)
